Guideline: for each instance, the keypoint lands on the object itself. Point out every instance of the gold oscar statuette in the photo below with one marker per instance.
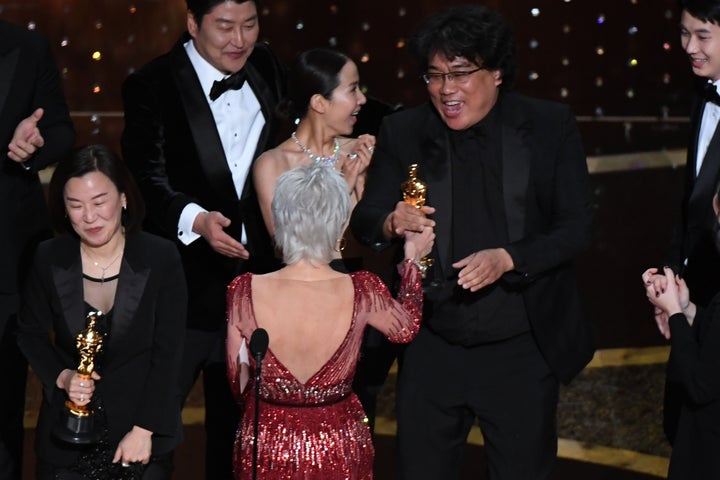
(77, 423)
(414, 193)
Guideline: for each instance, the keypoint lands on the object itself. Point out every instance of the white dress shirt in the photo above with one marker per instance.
(239, 121)
(708, 124)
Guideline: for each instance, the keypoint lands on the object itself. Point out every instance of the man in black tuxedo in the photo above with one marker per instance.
(195, 120)
(508, 185)
(36, 131)
(692, 252)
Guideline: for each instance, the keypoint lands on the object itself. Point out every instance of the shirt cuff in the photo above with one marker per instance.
(187, 218)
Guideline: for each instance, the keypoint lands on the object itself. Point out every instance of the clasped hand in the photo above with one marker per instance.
(669, 294)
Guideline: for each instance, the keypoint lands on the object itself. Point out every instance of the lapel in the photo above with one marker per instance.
(67, 277)
(264, 96)
(698, 105)
(130, 289)
(202, 123)
(434, 169)
(68, 282)
(8, 63)
(436, 172)
(516, 159)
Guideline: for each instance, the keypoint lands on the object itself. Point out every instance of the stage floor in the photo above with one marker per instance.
(608, 422)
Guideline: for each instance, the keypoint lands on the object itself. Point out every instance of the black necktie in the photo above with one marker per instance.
(710, 93)
(233, 82)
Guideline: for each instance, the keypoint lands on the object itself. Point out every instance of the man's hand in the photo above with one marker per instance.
(405, 217)
(483, 268)
(210, 225)
(27, 138)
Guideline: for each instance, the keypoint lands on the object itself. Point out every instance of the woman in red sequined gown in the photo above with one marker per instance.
(311, 423)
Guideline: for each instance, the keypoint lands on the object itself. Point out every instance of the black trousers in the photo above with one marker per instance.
(205, 352)
(12, 400)
(505, 386)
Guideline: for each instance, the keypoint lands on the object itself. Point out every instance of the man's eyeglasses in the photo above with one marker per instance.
(458, 77)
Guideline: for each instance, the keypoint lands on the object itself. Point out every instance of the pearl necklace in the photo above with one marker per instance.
(328, 161)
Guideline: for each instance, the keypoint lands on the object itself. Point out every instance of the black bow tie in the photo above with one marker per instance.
(710, 93)
(233, 82)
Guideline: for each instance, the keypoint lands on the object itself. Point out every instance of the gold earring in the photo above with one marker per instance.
(341, 243)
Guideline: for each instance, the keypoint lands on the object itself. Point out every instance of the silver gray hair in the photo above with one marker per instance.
(310, 208)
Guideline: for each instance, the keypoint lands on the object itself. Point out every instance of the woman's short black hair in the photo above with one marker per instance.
(94, 158)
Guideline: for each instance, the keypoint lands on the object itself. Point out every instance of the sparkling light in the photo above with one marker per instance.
(601, 19)
(97, 56)
(535, 12)
(600, 50)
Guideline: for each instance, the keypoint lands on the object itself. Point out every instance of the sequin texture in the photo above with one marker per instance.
(317, 429)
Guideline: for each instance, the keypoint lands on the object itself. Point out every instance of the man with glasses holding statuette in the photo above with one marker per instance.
(508, 196)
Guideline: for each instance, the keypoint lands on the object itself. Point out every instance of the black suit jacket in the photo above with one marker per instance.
(546, 203)
(142, 355)
(694, 236)
(29, 79)
(693, 371)
(172, 146)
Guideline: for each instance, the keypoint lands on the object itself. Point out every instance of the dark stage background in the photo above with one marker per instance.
(618, 64)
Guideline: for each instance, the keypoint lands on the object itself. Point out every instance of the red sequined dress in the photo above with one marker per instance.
(315, 430)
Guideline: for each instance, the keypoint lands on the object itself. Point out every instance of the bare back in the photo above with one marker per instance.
(308, 323)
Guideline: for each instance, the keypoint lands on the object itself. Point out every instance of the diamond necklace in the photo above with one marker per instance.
(329, 161)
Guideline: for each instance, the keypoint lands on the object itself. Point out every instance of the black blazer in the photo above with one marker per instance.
(29, 79)
(141, 359)
(172, 146)
(693, 372)
(546, 201)
(694, 236)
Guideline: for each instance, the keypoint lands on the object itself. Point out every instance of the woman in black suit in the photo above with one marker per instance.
(103, 262)
(693, 370)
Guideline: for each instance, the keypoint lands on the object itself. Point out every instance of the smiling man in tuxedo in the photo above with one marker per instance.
(195, 120)
(692, 252)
